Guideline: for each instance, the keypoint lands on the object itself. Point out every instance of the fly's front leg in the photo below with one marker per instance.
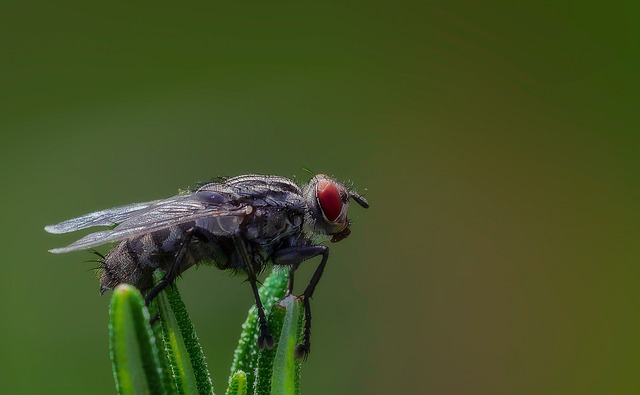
(294, 256)
(200, 233)
(265, 340)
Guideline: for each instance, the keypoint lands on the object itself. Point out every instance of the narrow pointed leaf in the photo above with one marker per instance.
(246, 354)
(134, 356)
(184, 353)
(278, 371)
(285, 376)
(167, 374)
(238, 384)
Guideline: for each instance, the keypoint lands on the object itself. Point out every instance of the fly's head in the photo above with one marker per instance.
(328, 203)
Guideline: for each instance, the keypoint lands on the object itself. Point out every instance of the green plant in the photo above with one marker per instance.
(166, 357)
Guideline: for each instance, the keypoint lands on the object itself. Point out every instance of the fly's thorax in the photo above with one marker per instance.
(268, 225)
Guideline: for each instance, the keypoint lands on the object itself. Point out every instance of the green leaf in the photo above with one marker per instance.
(285, 377)
(278, 369)
(183, 351)
(134, 356)
(167, 375)
(238, 384)
(246, 354)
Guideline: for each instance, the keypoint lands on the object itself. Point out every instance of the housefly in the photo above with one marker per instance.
(242, 224)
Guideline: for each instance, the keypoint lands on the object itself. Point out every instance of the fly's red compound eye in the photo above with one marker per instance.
(329, 199)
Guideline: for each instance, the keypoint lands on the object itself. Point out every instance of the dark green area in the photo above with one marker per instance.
(498, 143)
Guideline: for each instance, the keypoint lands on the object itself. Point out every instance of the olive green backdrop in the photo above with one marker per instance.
(497, 144)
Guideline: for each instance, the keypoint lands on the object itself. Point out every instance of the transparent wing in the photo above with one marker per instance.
(108, 217)
(223, 218)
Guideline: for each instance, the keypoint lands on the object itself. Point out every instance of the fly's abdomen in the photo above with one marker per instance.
(133, 261)
(121, 265)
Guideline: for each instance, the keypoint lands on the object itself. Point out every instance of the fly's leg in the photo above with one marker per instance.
(292, 272)
(174, 270)
(294, 256)
(265, 339)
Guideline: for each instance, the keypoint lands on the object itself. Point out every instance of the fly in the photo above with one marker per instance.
(242, 224)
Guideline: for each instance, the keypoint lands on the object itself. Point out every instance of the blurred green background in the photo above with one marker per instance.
(497, 142)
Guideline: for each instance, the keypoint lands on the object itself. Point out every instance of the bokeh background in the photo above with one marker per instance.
(497, 143)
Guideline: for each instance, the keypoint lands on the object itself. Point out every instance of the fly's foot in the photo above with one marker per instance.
(302, 351)
(266, 341)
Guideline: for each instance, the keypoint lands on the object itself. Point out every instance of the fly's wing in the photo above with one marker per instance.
(224, 218)
(108, 217)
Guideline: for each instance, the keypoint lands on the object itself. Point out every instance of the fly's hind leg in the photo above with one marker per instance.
(174, 270)
(265, 339)
(294, 256)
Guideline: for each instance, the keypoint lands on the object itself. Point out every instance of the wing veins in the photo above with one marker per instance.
(108, 217)
(170, 212)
